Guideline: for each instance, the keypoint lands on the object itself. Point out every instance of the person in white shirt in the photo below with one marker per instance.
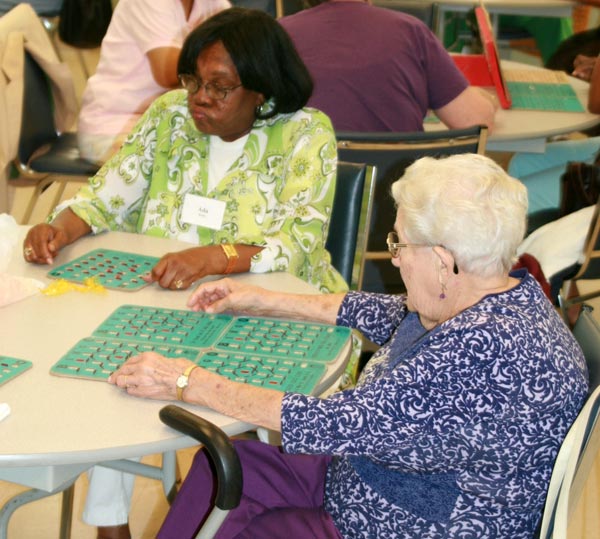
(138, 62)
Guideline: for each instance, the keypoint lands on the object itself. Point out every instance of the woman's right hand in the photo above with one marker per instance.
(43, 242)
(230, 295)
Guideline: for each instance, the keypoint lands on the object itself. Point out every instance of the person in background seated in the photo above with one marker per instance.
(541, 172)
(454, 425)
(236, 145)
(138, 62)
(376, 69)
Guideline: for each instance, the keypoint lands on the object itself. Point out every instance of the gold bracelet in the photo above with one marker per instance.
(232, 257)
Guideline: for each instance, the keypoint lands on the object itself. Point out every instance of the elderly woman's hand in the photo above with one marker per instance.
(150, 375)
(43, 242)
(230, 295)
(178, 271)
(153, 376)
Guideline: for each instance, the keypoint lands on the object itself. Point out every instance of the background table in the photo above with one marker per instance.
(528, 130)
(60, 427)
(536, 8)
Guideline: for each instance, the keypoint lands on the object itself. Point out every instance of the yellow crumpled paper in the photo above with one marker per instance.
(62, 286)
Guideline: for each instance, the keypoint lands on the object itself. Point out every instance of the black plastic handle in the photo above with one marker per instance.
(219, 447)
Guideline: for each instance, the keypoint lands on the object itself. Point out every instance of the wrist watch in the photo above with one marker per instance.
(232, 256)
(183, 381)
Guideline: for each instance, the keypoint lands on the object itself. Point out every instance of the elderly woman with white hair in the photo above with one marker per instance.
(454, 424)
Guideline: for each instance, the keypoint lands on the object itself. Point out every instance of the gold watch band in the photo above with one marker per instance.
(232, 256)
(186, 375)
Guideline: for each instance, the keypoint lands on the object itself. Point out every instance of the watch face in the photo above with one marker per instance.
(182, 381)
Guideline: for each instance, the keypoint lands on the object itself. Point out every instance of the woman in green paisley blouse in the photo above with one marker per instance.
(232, 163)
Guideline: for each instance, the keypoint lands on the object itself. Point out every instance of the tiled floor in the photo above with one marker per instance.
(41, 519)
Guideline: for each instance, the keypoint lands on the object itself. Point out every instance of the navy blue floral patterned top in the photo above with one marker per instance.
(449, 433)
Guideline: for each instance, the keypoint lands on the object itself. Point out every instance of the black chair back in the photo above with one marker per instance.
(343, 235)
(37, 126)
(45, 156)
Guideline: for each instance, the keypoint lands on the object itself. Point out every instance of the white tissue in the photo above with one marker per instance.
(13, 288)
(9, 235)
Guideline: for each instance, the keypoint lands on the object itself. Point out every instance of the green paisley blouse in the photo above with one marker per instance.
(278, 193)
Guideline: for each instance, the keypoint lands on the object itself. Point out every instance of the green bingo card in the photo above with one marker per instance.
(281, 354)
(112, 269)
(11, 367)
(542, 96)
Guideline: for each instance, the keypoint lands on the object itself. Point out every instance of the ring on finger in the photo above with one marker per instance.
(28, 251)
(178, 284)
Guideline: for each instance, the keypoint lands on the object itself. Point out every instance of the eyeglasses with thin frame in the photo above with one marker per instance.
(213, 91)
(394, 245)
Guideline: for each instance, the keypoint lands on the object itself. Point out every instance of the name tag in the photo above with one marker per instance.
(202, 211)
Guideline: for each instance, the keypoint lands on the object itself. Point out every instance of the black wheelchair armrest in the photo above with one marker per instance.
(219, 447)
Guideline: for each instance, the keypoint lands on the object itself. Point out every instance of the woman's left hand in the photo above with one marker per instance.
(150, 375)
(153, 376)
(178, 271)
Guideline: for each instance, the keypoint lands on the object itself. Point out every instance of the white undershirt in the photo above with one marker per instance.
(221, 156)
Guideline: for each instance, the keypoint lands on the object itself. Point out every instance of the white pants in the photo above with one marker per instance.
(108, 498)
(99, 148)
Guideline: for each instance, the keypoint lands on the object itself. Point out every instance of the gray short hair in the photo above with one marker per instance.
(466, 203)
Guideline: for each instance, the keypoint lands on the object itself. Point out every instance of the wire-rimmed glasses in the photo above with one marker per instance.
(394, 245)
(213, 91)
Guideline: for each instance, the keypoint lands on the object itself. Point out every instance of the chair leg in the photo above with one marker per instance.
(30, 206)
(171, 475)
(31, 495)
(569, 304)
(66, 512)
(60, 191)
(38, 190)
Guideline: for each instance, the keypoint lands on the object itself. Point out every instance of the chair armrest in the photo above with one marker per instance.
(219, 447)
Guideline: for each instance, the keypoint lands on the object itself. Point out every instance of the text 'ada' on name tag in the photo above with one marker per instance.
(202, 211)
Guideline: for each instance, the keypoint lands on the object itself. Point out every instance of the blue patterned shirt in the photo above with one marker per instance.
(449, 433)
